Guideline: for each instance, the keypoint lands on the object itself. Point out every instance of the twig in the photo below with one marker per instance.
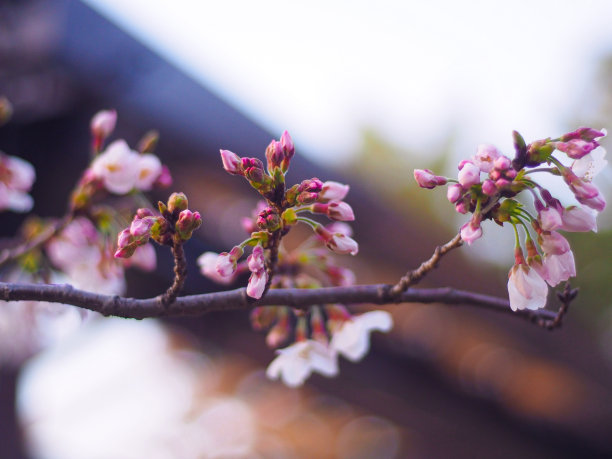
(565, 297)
(180, 273)
(195, 305)
(413, 277)
(9, 255)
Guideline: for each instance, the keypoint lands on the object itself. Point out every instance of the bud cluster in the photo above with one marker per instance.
(174, 224)
(493, 197)
(282, 209)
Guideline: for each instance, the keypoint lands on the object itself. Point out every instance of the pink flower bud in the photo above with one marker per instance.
(337, 242)
(549, 219)
(287, 144)
(577, 219)
(427, 179)
(333, 191)
(584, 133)
(231, 162)
(257, 284)
(256, 261)
(124, 238)
(559, 268)
(471, 231)
(208, 267)
(461, 207)
(469, 175)
(576, 148)
(597, 202)
(103, 123)
(454, 192)
(141, 227)
(274, 155)
(502, 163)
(553, 243)
(340, 211)
(489, 188)
(313, 185)
(502, 182)
(226, 262)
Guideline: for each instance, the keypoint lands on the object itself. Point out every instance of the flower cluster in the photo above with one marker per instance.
(488, 184)
(282, 209)
(314, 338)
(16, 179)
(174, 224)
(118, 169)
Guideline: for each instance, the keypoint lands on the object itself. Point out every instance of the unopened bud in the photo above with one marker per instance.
(177, 202)
(231, 162)
(274, 155)
(103, 123)
(268, 219)
(188, 221)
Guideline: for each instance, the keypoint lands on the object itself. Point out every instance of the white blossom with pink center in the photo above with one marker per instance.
(295, 363)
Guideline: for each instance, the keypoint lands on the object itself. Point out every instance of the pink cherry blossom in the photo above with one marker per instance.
(577, 219)
(553, 243)
(257, 284)
(149, 170)
(590, 165)
(526, 288)
(295, 363)
(117, 167)
(485, 157)
(333, 191)
(341, 211)
(352, 339)
(471, 231)
(559, 268)
(550, 218)
(339, 243)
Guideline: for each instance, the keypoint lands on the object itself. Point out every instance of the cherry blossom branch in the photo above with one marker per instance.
(414, 276)
(11, 254)
(194, 305)
(180, 274)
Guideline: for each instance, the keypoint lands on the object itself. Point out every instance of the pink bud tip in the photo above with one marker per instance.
(103, 123)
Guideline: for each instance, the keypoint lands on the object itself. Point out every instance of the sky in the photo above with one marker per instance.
(413, 71)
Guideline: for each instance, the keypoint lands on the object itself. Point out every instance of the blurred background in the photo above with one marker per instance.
(368, 93)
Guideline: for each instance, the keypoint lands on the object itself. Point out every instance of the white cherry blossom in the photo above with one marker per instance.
(295, 363)
(352, 340)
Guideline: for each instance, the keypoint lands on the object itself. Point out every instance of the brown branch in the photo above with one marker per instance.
(414, 276)
(565, 297)
(180, 274)
(195, 305)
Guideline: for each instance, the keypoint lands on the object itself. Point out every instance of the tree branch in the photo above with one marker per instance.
(414, 276)
(237, 299)
(180, 273)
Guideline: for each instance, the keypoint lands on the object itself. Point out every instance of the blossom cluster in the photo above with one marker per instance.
(488, 184)
(282, 209)
(118, 169)
(313, 338)
(319, 335)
